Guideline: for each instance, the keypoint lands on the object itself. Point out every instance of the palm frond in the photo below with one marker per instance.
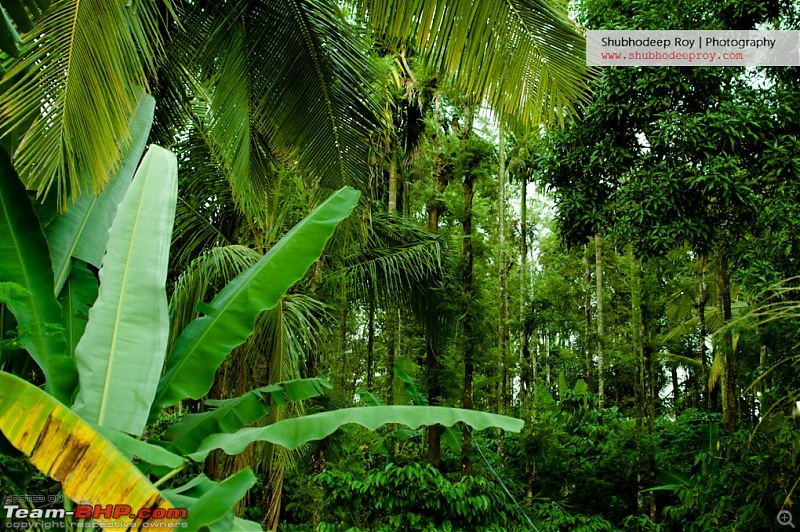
(398, 260)
(525, 57)
(312, 79)
(82, 72)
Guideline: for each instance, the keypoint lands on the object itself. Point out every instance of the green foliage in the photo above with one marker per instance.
(26, 262)
(412, 497)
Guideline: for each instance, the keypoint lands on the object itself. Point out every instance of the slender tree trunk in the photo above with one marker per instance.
(393, 172)
(547, 358)
(587, 313)
(763, 401)
(431, 363)
(523, 288)
(466, 282)
(637, 343)
(392, 333)
(501, 270)
(701, 318)
(728, 379)
(370, 337)
(598, 253)
(343, 346)
(676, 390)
(312, 358)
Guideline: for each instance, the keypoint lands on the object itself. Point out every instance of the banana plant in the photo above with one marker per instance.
(112, 365)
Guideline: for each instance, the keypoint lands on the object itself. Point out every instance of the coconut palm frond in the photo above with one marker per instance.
(397, 260)
(532, 57)
(283, 337)
(206, 215)
(680, 359)
(311, 82)
(82, 71)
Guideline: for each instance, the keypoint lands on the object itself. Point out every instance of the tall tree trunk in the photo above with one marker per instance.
(343, 347)
(701, 318)
(392, 333)
(676, 390)
(763, 385)
(501, 270)
(547, 358)
(587, 314)
(525, 332)
(728, 379)
(431, 363)
(598, 254)
(370, 336)
(393, 184)
(639, 389)
(466, 282)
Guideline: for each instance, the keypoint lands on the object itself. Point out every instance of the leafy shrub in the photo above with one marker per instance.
(412, 497)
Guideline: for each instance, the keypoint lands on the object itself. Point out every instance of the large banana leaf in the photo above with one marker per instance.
(76, 299)
(68, 450)
(82, 231)
(230, 317)
(232, 414)
(210, 503)
(292, 433)
(25, 260)
(121, 354)
(141, 451)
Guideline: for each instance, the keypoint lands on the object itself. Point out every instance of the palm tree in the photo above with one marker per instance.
(285, 79)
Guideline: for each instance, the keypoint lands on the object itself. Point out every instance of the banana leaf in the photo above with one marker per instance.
(230, 317)
(26, 262)
(292, 433)
(121, 353)
(68, 450)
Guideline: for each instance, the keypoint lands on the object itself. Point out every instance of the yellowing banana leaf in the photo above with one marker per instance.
(121, 353)
(230, 317)
(68, 450)
(292, 433)
(82, 231)
(144, 452)
(25, 260)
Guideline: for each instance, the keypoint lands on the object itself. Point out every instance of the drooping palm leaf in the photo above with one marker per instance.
(525, 57)
(398, 259)
(122, 351)
(68, 450)
(285, 79)
(26, 261)
(229, 319)
(81, 75)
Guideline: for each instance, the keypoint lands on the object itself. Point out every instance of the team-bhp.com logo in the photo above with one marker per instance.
(150, 516)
